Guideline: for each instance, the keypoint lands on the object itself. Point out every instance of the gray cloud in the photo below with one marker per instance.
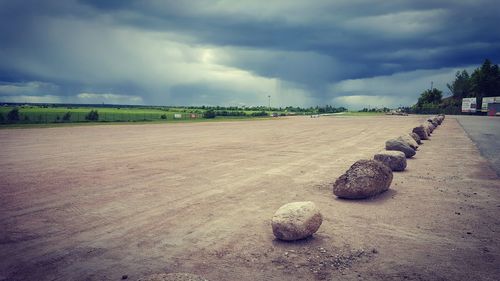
(238, 52)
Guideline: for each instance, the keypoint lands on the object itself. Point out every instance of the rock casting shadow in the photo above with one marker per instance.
(315, 240)
(377, 199)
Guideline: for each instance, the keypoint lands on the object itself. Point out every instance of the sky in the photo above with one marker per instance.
(351, 53)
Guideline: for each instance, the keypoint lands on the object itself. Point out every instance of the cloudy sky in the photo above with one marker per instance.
(354, 53)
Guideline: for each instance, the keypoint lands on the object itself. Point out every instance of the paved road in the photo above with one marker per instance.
(485, 132)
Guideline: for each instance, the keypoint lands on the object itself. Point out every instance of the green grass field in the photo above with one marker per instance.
(48, 116)
(43, 116)
(37, 114)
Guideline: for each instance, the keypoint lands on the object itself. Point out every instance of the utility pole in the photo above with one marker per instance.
(269, 96)
(432, 85)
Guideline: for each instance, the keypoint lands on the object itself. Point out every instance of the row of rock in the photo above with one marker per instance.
(425, 130)
(365, 178)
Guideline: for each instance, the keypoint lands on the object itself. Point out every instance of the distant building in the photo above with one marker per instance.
(487, 101)
(469, 105)
(494, 109)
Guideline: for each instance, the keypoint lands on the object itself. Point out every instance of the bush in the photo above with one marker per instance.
(66, 117)
(259, 114)
(13, 115)
(229, 113)
(93, 115)
(1, 118)
(209, 114)
(163, 116)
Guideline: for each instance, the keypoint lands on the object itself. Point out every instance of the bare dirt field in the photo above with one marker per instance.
(100, 202)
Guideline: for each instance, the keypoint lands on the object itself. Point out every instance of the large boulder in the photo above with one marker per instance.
(416, 137)
(172, 277)
(433, 121)
(440, 119)
(395, 160)
(430, 126)
(363, 179)
(400, 145)
(421, 132)
(296, 220)
(409, 140)
(427, 127)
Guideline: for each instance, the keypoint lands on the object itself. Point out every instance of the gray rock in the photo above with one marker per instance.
(427, 127)
(409, 140)
(172, 277)
(396, 160)
(433, 121)
(400, 145)
(421, 132)
(416, 137)
(363, 179)
(296, 220)
(430, 126)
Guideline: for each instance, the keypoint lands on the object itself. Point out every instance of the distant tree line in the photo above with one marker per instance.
(14, 116)
(240, 110)
(330, 109)
(483, 82)
(219, 110)
(384, 109)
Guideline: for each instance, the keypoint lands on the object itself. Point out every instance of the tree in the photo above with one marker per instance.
(486, 80)
(462, 86)
(93, 115)
(66, 117)
(430, 97)
(13, 115)
(209, 114)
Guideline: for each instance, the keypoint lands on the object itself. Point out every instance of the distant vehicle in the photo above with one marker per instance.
(469, 105)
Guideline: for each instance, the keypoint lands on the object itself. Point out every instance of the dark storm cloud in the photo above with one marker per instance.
(221, 52)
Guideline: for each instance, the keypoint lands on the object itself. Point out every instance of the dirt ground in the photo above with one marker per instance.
(100, 202)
